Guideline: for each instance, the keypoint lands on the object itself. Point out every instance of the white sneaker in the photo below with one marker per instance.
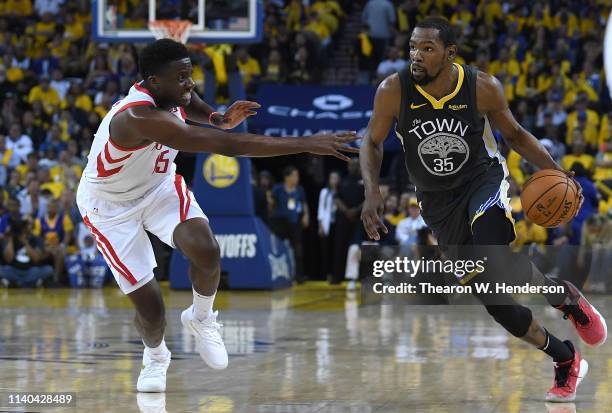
(208, 340)
(151, 402)
(152, 377)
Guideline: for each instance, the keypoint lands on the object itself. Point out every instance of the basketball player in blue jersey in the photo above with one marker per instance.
(445, 113)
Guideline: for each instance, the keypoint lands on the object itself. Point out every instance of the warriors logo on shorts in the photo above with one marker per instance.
(443, 153)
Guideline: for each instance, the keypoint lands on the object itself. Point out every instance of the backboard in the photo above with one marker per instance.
(214, 21)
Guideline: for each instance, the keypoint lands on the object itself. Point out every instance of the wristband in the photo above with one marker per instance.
(210, 118)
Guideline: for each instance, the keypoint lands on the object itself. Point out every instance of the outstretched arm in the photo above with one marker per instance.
(386, 109)
(201, 112)
(141, 125)
(492, 102)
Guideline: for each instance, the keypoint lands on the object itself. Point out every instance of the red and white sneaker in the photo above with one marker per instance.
(589, 323)
(568, 376)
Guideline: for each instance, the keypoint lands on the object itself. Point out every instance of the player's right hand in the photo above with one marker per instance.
(371, 216)
(332, 144)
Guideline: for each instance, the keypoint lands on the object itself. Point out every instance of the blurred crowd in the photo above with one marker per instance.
(56, 84)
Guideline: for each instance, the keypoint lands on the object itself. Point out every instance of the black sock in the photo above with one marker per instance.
(557, 349)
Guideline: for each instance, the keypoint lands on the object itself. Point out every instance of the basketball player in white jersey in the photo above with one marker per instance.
(130, 186)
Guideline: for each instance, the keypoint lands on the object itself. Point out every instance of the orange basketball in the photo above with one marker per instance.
(549, 198)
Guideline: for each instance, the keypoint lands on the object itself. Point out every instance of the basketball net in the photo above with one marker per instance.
(177, 30)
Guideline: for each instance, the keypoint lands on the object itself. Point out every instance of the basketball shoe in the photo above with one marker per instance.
(589, 323)
(151, 402)
(568, 376)
(153, 374)
(208, 339)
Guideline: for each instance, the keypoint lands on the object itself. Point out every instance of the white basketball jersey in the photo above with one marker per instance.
(123, 174)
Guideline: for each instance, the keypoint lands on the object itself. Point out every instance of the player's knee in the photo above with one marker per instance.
(516, 319)
(206, 253)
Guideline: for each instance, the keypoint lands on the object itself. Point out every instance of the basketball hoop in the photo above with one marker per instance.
(177, 30)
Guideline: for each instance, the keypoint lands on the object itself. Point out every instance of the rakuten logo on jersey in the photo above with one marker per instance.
(237, 245)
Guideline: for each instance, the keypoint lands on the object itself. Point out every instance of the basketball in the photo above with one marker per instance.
(550, 198)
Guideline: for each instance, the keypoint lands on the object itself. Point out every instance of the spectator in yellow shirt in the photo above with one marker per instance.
(249, 67)
(5, 157)
(393, 214)
(578, 153)
(505, 64)
(46, 95)
(18, 8)
(529, 233)
(73, 30)
(81, 100)
(589, 117)
(45, 27)
(56, 229)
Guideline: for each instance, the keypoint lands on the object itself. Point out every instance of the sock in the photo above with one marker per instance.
(202, 305)
(160, 351)
(557, 349)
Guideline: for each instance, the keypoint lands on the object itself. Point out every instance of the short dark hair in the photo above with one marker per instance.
(159, 53)
(446, 33)
(289, 170)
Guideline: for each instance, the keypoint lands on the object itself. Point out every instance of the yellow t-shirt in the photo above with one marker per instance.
(395, 219)
(44, 30)
(57, 172)
(74, 31)
(514, 167)
(511, 67)
(84, 102)
(50, 97)
(249, 69)
(571, 122)
(5, 157)
(319, 29)
(14, 74)
(101, 111)
(51, 237)
(18, 7)
(603, 173)
(529, 233)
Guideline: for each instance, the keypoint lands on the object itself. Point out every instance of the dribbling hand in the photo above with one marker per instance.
(371, 216)
(571, 175)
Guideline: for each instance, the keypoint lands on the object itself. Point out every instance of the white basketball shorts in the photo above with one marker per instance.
(119, 227)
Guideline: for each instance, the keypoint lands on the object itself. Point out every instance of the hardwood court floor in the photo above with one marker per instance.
(308, 349)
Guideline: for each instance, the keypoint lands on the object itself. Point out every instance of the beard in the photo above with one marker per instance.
(425, 80)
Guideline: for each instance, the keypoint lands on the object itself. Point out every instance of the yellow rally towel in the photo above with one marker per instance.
(366, 45)
(217, 54)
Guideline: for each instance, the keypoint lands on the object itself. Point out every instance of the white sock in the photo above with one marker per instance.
(202, 305)
(159, 351)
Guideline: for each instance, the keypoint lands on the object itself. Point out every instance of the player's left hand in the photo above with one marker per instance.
(572, 175)
(238, 112)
